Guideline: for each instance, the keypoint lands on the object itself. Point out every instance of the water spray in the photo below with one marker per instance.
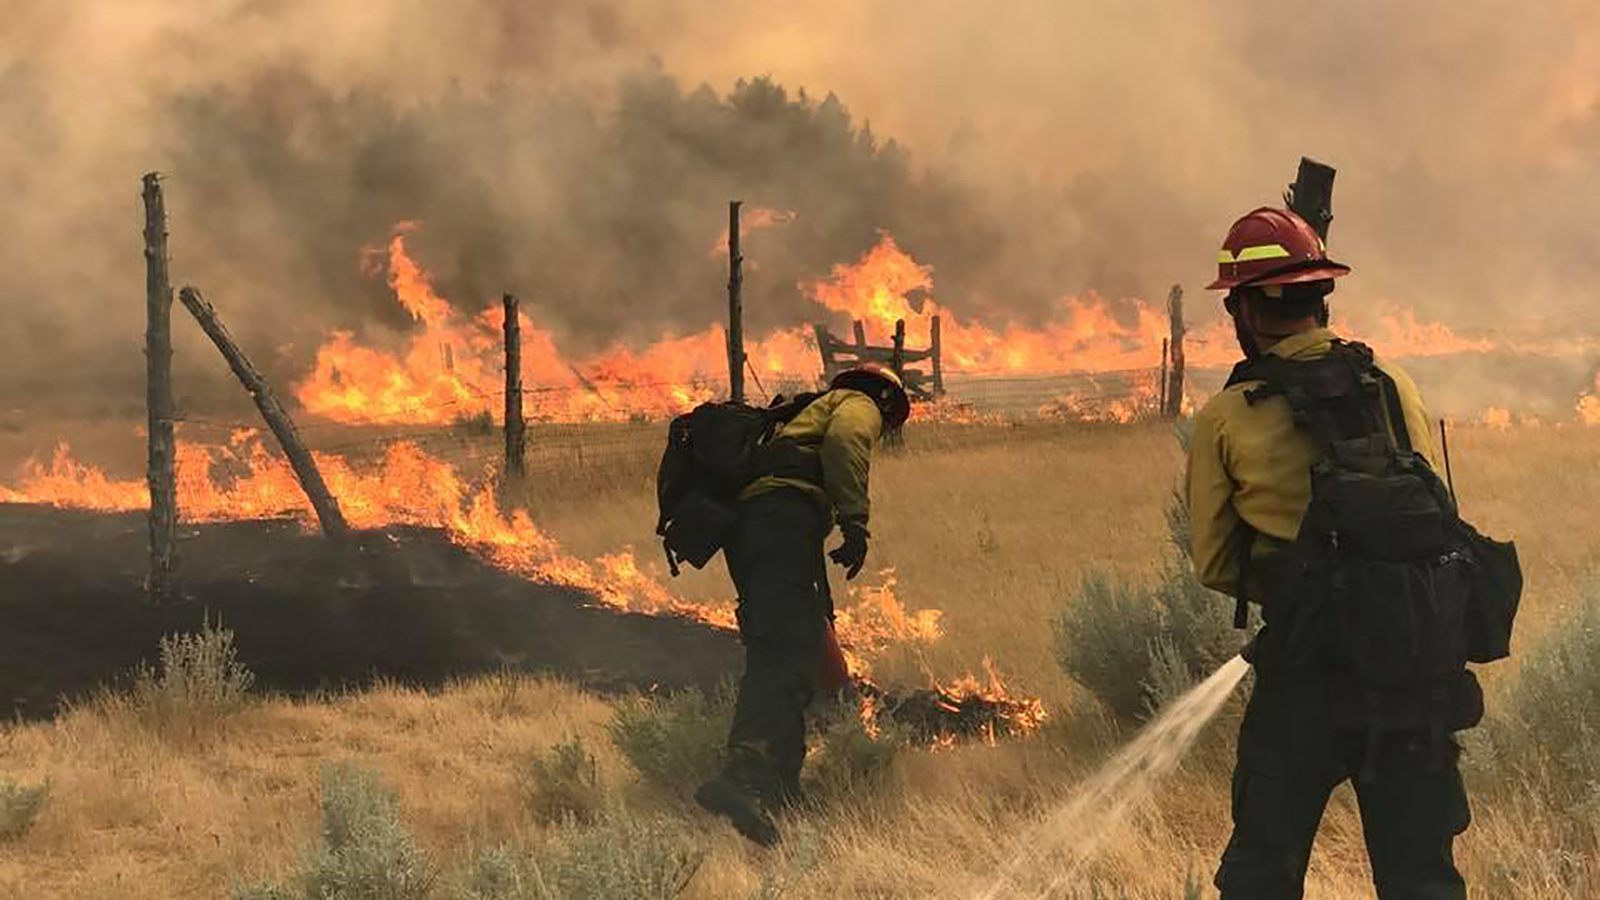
(1075, 830)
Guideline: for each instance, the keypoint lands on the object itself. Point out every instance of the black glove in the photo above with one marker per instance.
(852, 554)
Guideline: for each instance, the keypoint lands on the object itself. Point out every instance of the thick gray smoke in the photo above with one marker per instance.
(568, 150)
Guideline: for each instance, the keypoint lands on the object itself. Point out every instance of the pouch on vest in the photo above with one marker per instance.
(698, 528)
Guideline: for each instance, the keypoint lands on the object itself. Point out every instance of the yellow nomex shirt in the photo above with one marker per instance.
(1251, 465)
(842, 425)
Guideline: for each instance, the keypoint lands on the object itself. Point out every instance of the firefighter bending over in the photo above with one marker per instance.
(1312, 492)
(775, 556)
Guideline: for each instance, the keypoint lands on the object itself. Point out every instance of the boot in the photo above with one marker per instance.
(741, 805)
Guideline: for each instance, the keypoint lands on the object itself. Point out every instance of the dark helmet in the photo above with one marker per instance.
(883, 386)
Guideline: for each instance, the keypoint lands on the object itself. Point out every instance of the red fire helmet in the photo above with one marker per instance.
(1272, 246)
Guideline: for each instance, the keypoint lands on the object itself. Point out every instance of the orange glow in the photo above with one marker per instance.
(1589, 403)
(1497, 417)
(752, 219)
(1030, 711)
(1399, 334)
(451, 368)
(1084, 335)
(66, 482)
(875, 618)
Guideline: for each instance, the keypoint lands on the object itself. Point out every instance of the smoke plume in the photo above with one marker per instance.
(581, 154)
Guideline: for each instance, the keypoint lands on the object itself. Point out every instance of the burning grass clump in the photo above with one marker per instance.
(366, 851)
(19, 808)
(675, 741)
(562, 784)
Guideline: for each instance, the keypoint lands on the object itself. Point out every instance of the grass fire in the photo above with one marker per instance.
(614, 450)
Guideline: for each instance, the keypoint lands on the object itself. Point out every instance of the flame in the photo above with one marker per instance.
(1589, 401)
(876, 618)
(67, 482)
(1589, 409)
(1084, 334)
(450, 367)
(757, 219)
(1400, 334)
(1497, 417)
(1027, 713)
(242, 479)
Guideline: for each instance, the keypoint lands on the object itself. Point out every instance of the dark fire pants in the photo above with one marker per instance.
(776, 560)
(1290, 760)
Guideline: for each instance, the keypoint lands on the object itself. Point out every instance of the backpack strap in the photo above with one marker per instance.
(1301, 384)
(1241, 605)
(1397, 413)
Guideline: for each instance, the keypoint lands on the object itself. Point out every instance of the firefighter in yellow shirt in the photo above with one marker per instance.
(1249, 487)
(775, 557)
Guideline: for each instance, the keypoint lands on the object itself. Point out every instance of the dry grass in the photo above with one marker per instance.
(996, 527)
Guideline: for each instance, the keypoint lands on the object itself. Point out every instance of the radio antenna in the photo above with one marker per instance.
(1444, 445)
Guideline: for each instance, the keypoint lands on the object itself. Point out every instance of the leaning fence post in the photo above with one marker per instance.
(515, 426)
(159, 404)
(277, 418)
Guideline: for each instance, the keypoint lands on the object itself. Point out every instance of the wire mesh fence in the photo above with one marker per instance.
(615, 428)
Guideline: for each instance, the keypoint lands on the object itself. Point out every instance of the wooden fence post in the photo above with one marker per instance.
(897, 362)
(935, 342)
(1175, 374)
(160, 407)
(1161, 387)
(515, 426)
(277, 418)
(735, 307)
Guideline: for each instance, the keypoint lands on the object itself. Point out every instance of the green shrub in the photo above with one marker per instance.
(563, 783)
(1548, 721)
(501, 873)
(366, 852)
(675, 741)
(19, 807)
(198, 682)
(619, 859)
(1136, 646)
(624, 859)
(850, 758)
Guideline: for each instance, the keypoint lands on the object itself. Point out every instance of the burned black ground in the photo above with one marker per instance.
(400, 604)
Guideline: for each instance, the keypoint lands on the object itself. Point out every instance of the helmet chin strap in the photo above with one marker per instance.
(1234, 304)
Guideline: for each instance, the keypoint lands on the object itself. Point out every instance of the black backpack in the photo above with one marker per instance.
(713, 453)
(1385, 583)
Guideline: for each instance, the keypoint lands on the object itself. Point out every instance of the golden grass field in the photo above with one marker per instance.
(994, 526)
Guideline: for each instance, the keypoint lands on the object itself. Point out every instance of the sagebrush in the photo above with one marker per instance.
(623, 858)
(198, 681)
(19, 807)
(675, 741)
(366, 852)
(563, 783)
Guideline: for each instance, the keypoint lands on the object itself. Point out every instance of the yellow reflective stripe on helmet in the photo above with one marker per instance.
(1251, 254)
